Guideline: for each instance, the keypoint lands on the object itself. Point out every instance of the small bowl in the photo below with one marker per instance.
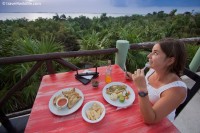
(95, 83)
(89, 105)
(61, 102)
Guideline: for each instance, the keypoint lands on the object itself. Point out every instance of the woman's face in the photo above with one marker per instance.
(157, 58)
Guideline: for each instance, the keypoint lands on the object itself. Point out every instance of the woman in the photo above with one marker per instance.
(161, 91)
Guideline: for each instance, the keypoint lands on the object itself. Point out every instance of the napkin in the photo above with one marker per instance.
(118, 108)
(89, 76)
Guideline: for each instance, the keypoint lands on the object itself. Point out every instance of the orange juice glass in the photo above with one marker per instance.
(108, 79)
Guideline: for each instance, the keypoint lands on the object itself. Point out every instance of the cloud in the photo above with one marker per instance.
(119, 3)
(76, 5)
(99, 6)
(169, 3)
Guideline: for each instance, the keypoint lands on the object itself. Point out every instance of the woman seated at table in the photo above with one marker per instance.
(161, 91)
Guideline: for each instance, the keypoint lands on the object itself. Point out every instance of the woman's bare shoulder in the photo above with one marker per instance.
(175, 93)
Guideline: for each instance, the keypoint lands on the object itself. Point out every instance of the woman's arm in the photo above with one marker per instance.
(170, 100)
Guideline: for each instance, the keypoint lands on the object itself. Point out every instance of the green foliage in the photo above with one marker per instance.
(191, 51)
(92, 41)
(10, 75)
(26, 46)
(136, 60)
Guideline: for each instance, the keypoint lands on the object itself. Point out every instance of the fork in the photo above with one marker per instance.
(147, 65)
(118, 108)
(125, 70)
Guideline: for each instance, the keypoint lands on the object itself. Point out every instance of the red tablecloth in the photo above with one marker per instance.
(124, 120)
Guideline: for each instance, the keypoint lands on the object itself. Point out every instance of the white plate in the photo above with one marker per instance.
(87, 106)
(65, 111)
(117, 103)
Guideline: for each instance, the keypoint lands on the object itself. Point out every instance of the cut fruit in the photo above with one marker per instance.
(121, 99)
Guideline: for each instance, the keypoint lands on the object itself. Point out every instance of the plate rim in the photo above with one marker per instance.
(113, 103)
(59, 91)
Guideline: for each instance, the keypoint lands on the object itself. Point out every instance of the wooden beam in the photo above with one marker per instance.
(49, 65)
(66, 64)
(51, 56)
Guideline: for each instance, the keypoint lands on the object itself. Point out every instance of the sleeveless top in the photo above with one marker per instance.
(154, 93)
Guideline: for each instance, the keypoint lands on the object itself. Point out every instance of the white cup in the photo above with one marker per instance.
(61, 102)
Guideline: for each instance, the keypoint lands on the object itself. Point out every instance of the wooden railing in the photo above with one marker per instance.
(46, 58)
(58, 57)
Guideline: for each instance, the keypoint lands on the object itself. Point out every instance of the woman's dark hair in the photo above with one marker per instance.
(174, 48)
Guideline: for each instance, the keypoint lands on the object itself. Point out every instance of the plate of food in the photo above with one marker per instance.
(118, 94)
(93, 111)
(66, 101)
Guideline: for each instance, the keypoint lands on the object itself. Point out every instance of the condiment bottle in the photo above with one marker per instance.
(108, 77)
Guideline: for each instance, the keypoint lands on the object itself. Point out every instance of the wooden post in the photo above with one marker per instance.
(195, 63)
(120, 57)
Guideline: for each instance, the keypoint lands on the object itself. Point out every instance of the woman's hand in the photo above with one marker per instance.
(128, 75)
(139, 79)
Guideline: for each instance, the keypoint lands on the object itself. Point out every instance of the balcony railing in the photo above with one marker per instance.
(58, 57)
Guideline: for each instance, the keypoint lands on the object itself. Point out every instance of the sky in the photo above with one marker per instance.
(98, 6)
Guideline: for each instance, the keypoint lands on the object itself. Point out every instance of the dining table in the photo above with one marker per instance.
(127, 120)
